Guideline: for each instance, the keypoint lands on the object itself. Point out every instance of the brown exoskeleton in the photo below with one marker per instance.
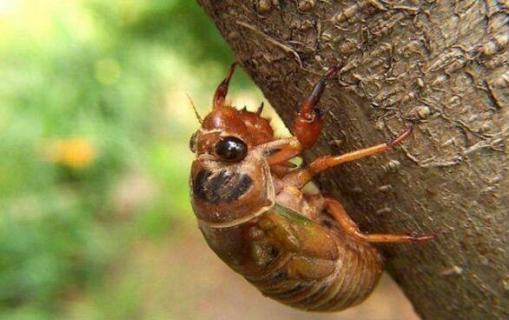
(298, 248)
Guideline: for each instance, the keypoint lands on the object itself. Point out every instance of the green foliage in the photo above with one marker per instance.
(175, 24)
(90, 101)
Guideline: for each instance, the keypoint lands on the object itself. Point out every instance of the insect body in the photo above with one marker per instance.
(298, 248)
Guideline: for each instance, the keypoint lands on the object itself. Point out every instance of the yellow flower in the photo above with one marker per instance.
(75, 153)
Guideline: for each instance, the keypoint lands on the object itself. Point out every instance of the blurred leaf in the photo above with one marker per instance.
(91, 92)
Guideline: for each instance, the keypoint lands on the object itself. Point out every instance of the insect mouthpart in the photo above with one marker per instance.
(221, 186)
(192, 142)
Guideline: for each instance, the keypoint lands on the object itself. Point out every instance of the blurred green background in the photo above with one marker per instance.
(95, 218)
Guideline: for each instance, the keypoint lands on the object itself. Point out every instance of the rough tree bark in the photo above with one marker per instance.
(440, 64)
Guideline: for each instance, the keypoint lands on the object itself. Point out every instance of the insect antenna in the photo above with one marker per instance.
(200, 120)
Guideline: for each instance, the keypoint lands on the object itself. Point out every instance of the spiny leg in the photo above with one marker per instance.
(222, 88)
(301, 177)
(336, 210)
(308, 123)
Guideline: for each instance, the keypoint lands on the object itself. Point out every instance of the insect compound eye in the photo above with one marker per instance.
(192, 142)
(231, 149)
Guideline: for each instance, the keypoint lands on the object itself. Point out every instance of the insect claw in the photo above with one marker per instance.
(231, 70)
(222, 89)
(401, 137)
(416, 238)
(331, 72)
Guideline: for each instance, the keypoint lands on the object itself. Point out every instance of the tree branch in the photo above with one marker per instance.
(440, 64)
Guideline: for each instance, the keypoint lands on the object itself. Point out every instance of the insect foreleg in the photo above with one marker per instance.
(222, 89)
(308, 123)
(336, 210)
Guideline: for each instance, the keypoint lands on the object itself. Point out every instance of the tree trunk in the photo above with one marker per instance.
(442, 65)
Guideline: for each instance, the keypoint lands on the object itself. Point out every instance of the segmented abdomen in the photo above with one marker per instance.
(356, 272)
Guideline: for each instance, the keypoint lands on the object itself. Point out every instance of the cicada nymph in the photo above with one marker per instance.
(299, 248)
